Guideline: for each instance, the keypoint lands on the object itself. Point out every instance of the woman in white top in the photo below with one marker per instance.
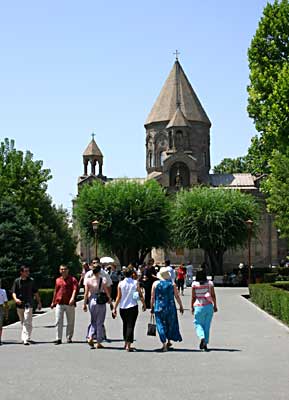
(128, 292)
(204, 304)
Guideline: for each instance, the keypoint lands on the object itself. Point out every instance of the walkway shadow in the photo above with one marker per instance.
(225, 350)
(169, 351)
(11, 342)
(175, 350)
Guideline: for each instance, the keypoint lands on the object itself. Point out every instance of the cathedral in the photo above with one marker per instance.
(178, 156)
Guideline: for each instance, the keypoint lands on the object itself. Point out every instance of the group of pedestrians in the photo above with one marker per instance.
(156, 290)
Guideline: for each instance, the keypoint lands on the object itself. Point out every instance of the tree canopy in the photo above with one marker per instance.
(231, 166)
(19, 241)
(277, 187)
(213, 220)
(268, 62)
(133, 217)
(42, 239)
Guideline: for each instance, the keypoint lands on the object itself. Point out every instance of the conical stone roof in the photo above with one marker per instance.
(92, 150)
(177, 91)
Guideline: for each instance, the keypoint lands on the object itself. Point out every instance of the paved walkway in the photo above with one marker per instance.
(249, 359)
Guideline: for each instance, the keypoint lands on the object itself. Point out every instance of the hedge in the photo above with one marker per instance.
(270, 278)
(272, 299)
(46, 296)
(282, 285)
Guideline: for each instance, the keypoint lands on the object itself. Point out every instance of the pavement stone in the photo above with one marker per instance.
(249, 359)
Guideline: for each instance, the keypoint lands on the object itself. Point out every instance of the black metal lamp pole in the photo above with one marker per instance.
(94, 227)
(249, 225)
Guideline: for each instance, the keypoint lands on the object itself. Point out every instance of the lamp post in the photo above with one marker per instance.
(249, 225)
(94, 227)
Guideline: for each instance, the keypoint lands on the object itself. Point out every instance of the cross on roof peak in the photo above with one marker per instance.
(177, 53)
(93, 135)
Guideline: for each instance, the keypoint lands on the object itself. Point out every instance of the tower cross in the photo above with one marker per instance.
(177, 53)
(93, 135)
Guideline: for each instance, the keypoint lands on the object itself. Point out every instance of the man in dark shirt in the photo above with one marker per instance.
(149, 277)
(23, 293)
(66, 287)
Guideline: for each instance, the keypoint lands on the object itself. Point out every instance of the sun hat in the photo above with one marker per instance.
(164, 274)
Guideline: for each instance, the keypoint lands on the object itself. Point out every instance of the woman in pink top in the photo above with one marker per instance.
(204, 304)
(93, 286)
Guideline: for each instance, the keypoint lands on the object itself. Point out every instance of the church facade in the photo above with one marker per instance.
(178, 156)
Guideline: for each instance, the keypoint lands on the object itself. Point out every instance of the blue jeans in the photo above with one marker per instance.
(202, 321)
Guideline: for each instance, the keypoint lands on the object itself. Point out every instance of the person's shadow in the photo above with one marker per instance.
(178, 350)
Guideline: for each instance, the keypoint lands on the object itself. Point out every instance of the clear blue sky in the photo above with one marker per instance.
(71, 67)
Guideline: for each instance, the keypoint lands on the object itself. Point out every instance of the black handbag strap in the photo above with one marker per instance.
(99, 285)
(152, 320)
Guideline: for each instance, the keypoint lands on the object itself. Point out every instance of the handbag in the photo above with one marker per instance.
(101, 297)
(152, 329)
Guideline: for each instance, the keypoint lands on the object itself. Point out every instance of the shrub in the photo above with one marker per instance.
(270, 278)
(12, 314)
(283, 278)
(284, 271)
(272, 298)
(46, 296)
(282, 285)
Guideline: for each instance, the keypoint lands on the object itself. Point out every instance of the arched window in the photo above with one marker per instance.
(150, 159)
(162, 157)
(179, 140)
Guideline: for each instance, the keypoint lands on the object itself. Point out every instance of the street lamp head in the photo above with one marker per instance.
(249, 224)
(95, 225)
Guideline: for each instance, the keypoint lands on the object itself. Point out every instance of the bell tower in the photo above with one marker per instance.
(178, 135)
(92, 164)
(92, 155)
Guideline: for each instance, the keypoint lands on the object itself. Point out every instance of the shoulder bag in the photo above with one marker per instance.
(101, 297)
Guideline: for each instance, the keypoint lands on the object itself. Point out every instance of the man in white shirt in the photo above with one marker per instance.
(171, 270)
(189, 275)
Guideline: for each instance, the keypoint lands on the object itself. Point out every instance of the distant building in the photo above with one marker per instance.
(178, 156)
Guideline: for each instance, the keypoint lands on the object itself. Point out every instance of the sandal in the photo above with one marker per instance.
(131, 349)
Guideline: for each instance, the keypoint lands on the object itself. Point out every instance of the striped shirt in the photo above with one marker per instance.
(203, 294)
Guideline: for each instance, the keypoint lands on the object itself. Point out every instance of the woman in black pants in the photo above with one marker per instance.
(128, 292)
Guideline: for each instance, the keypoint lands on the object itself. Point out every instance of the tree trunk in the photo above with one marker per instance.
(216, 259)
(142, 255)
(127, 255)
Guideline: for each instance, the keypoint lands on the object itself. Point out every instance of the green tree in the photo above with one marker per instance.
(57, 237)
(24, 181)
(19, 241)
(268, 62)
(213, 220)
(133, 217)
(22, 178)
(277, 187)
(257, 158)
(231, 166)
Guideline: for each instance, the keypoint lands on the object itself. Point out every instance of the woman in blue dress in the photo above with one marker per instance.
(163, 306)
